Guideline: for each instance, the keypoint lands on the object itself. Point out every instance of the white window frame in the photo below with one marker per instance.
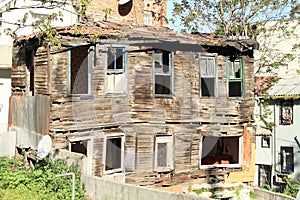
(106, 138)
(91, 55)
(89, 153)
(160, 72)
(206, 57)
(147, 18)
(237, 165)
(170, 155)
(124, 70)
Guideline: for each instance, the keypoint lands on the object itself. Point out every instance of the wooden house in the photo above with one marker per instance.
(145, 105)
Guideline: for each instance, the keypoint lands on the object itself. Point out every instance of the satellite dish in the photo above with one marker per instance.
(44, 146)
(122, 2)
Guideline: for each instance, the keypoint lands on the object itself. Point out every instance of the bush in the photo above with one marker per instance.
(292, 187)
(19, 181)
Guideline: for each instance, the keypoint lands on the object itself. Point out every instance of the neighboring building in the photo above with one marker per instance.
(137, 12)
(277, 109)
(278, 148)
(13, 20)
(145, 105)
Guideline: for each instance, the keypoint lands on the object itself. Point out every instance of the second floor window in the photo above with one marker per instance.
(163, 73)
(80, 70)
(286, 113)
(208, 76)
(235, 77)
(115, 70)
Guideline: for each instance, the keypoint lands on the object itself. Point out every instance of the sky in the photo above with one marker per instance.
(169, 14)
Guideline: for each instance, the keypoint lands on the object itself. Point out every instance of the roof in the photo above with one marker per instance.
(264, 133)
(286, 87)
(112, 30)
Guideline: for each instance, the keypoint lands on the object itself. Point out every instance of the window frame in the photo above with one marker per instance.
(289, 103)
(171, 72)
(235, 165)
(123, 71)
(215, 59)
(147, 18)
(89, 140)
(122, 167)
(164, 138)
(283, 159)
(230, 79)
(267, 139)
(91, 57)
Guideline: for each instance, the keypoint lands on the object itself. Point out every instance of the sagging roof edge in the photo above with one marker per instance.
(98, 34)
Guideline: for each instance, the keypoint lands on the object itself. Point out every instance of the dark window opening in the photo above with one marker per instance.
(79, 147)
(79, 70)
(265, 141)
(286, 113)
(220, 150)
(29, 57)
(208, 87)
(113, 154)
(235, 77)
(235, 89)
(162, 72)
(287, 159)
(162, 84)
(264, 175)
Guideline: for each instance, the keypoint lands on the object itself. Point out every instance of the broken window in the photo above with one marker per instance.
(163, 153)
(286, 113)
(115, 71)
(235, 77)
(208, 78)
(287, 159)
(265, 141)
(29, 57)
(79, 147)
(221, 150)
(80, 70)
(114, 153)
(163, 72)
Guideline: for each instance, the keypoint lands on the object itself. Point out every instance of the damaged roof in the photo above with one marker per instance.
(287, 87)
(102, 30)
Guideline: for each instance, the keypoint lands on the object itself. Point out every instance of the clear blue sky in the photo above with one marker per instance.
(169, 14)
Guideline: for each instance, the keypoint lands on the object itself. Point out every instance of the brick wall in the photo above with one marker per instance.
(131, 12)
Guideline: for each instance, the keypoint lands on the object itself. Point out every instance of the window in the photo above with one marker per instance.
(286, 113)
(147, 18)
(29, 55)
(235, 77)
(163, 72)
(164, 153)
(265, 141)
(114, 153)
(287, 159)
(115, 70)
(80, 77)
(208, 76)
(264, 175)
(83, 145)
(224, 151)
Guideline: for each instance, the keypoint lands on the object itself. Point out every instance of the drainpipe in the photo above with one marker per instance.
(274, 145)
(73, 181)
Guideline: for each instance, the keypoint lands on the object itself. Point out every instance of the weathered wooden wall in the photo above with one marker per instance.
(139, 114)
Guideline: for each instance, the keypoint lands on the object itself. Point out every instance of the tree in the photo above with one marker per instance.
(231, 17)
(14, 26)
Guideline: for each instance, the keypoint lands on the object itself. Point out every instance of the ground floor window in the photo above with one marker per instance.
(163, 153)
(264, 175)
(287, 159)
(221, 151)
(114, 153)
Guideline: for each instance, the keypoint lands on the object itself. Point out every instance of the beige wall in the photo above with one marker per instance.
(6, 57)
